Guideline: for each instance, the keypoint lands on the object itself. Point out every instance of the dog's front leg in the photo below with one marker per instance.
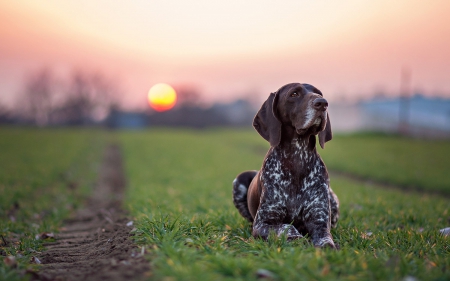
(334, 208)
(317, 218)
(268, 219)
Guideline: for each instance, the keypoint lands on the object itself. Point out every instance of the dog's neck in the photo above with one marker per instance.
(298, 148)
(292, 141)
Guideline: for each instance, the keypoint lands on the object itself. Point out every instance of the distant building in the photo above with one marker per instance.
(237, 113)
(426, 117)
(423, 112)
(126, 120)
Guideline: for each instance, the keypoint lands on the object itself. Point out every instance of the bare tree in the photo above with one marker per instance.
(188, 96)
(88, 98)
(84, 98)
(36, 102)
(5, 115)
(106, 93)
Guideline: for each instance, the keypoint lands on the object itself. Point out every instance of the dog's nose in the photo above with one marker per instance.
(320, 104)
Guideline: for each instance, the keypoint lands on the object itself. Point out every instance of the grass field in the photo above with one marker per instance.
(411, 163)
(44, 175)
(179, 189)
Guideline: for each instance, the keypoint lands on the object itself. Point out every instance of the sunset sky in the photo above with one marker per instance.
(229, 49)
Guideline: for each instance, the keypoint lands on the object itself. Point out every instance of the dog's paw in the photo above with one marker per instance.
(293, 237)
(290, 231)
(326, 242)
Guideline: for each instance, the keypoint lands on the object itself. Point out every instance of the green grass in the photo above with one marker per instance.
(414, 163)
(179, 190)
(44, 175)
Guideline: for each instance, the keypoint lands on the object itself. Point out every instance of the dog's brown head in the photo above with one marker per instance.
(300, 106)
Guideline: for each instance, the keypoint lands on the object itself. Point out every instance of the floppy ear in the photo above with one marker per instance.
(325, 135)
(266, 122)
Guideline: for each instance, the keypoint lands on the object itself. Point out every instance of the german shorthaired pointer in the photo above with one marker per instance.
(291, 194)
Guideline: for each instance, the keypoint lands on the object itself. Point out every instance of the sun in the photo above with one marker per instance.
(162, 97)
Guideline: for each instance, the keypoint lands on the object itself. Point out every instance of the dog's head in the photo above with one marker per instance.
(301, 106)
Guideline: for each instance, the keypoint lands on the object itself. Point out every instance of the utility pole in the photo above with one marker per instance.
(404, 100)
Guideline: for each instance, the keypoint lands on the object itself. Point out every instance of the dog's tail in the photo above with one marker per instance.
(240, 189)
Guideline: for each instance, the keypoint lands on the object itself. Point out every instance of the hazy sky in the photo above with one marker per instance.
(229, 49)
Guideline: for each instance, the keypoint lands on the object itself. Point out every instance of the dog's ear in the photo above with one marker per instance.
(266, 121)
(326, 134)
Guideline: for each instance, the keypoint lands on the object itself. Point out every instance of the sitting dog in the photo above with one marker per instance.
(291, 194)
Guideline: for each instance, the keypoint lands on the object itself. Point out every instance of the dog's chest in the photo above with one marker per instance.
(290, 177)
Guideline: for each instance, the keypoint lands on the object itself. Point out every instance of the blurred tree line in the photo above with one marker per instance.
(91, 98)
(82, 99)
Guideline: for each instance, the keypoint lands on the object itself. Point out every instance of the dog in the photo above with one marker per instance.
(290, 195)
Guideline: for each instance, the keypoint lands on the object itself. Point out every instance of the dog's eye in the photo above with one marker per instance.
(294, 94)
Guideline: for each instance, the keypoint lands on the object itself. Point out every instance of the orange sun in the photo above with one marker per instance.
(162, 97)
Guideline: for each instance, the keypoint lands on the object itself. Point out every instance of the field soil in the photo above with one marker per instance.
(96, 243)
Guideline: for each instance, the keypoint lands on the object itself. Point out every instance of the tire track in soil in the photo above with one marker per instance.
(96, 244)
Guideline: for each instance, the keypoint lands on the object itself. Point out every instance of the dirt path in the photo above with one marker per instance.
(96, 244)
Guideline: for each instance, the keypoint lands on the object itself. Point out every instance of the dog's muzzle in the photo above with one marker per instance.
(317, 121)
(320, 104)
